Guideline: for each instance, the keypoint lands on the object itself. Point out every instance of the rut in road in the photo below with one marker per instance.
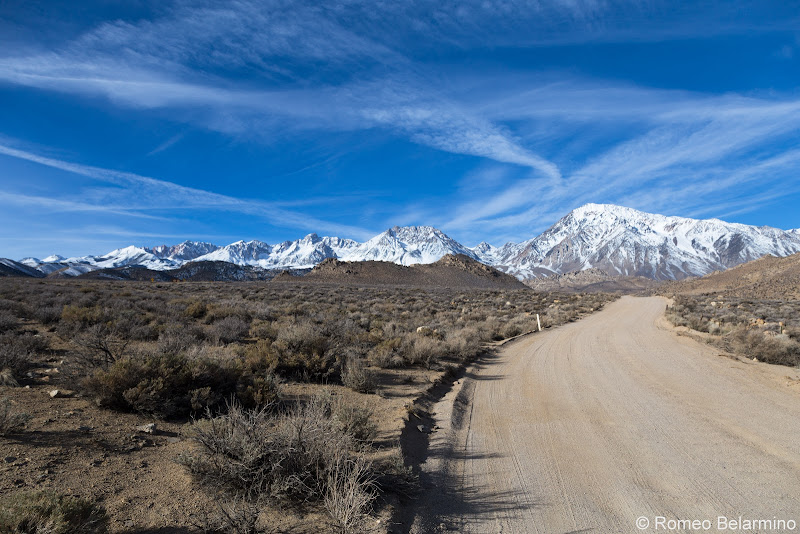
(587, 427)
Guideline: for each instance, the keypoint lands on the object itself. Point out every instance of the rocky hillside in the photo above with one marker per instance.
(766, 278)
(453, 271)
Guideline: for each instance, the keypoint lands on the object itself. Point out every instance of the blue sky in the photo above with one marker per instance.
(136, 122)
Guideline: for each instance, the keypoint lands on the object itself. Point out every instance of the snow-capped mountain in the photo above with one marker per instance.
(131, 255)
(408, 245)
(309, 251)
(240, 253)
(186, 251)
(17, 268)
(625, 241)
(614, 239)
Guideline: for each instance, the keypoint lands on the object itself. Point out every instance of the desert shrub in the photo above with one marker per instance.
(777, 349)
(178, 338)
(792, 332)
(216, 313)
(196, 309)
(45, 512)
(134, 325)
(349, 494)
(8, 321)
(47, 315)
(81, 316)
(354, 420)
(10, 420)
(387, 353)
(262, 329)
(100, 344)
(464, 344)
(17, 353)
(304, 350)
(263, 389)
(419, 349)
(167, 385)
(272, 458)
(229, 329)
(751, 328)
(357, 377)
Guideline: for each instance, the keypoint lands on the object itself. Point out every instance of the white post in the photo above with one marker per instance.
(538, 322)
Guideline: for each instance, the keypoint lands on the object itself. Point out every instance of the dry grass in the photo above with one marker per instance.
(50, 513)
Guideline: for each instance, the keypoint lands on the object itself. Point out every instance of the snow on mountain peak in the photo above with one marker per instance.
(408, 245)
(616, 239)
(186, 251)
(53, 258)
(626, 241)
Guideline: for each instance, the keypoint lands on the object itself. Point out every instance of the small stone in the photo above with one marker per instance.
(173, 439)
(424, 429)
(56, 393)
(9, 459)
(149, 428)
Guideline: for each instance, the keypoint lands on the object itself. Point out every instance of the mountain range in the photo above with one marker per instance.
(613, 239)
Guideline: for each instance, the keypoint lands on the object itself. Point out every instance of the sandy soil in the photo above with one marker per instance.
(588, 427)
(75, 448)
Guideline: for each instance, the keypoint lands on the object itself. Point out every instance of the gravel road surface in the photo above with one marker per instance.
(595, 425)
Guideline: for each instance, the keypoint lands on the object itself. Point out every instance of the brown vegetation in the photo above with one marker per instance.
(247, 361)
(766, 330)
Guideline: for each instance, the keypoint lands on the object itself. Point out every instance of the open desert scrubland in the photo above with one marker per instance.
(134, 406)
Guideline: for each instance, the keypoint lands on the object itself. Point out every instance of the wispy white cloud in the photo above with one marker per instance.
(137, 195)
(166, 144)
(350, 65)
(683, 153)
(166, 64)
(61, 205)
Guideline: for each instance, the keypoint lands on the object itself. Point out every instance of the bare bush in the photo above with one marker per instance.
(101, 344)
(357, 377)
(18, 352)
(178, 338)
(10, 420)
(310, 454)
(8, 321)
(350, 493)
(229, 329)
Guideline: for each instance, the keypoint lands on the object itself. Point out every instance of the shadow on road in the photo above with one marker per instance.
(444, 498)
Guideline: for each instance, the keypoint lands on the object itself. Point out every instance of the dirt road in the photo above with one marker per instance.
(591, 426)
